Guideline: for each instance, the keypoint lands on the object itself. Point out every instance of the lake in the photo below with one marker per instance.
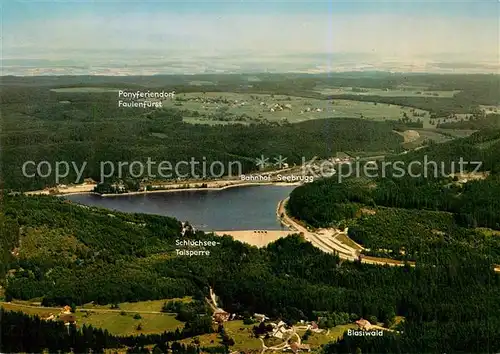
(237, 208)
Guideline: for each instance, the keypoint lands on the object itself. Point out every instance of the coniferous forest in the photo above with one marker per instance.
(445, 226)
(289, 279)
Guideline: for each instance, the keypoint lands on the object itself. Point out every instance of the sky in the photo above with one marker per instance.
(112, 33)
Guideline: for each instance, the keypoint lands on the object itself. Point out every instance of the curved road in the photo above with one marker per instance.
(330, 245)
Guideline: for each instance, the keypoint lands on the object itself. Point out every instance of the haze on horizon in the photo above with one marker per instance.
(158, 37)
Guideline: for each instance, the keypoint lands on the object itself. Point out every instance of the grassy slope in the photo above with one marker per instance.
(114, 321)
(340, 108)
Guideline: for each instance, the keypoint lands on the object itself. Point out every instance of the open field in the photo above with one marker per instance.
(241, 334)
(84, 89)
(489, 232)
(140, 306)
(430, 134)
(401, 92)
(342, 238)
(418, 137)
(245, 341)
(198, 120)
(456, 133)
(201, 83)
(331, 335)
(119, 322)
(211, 106)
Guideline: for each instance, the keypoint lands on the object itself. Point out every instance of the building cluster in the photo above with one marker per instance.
(206, 101)
(281, 330)
(309, 109)
(65, 316)
(119, 187)
(277, 107)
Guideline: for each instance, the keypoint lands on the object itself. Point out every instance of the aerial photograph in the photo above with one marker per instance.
(250, 176)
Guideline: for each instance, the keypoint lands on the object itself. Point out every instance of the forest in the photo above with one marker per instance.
(490, 121)
(434, 185)
(36, 126)
(29, 334)
(67, 254)
(289, 279)
(95, 130)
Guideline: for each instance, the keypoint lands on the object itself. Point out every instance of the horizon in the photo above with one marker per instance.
(118, 38)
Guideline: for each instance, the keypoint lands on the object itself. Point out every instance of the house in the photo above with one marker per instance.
(120, 187)
(260, 317)
(281, 324)
(50, 317)
(68, 319)
(363, 324)
(66, 310)
(278, 333)
(221, 316)
(280, 329)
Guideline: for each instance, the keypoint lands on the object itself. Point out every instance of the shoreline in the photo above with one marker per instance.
(211, 186)
(170, 190)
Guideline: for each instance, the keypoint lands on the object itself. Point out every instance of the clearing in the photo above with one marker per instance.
(241, 334)
(226, 107)
(399, 92)
(117, 321)
(85, 89)
(331, 335)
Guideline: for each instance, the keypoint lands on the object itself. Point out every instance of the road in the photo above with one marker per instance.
(330, 245)
(325, 244)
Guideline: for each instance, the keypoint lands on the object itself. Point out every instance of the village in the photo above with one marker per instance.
(277, 335)
(222, 102)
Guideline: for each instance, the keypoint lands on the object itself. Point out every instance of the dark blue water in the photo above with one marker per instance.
(238, 208)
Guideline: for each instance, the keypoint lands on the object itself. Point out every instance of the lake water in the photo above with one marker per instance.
(237, 208)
